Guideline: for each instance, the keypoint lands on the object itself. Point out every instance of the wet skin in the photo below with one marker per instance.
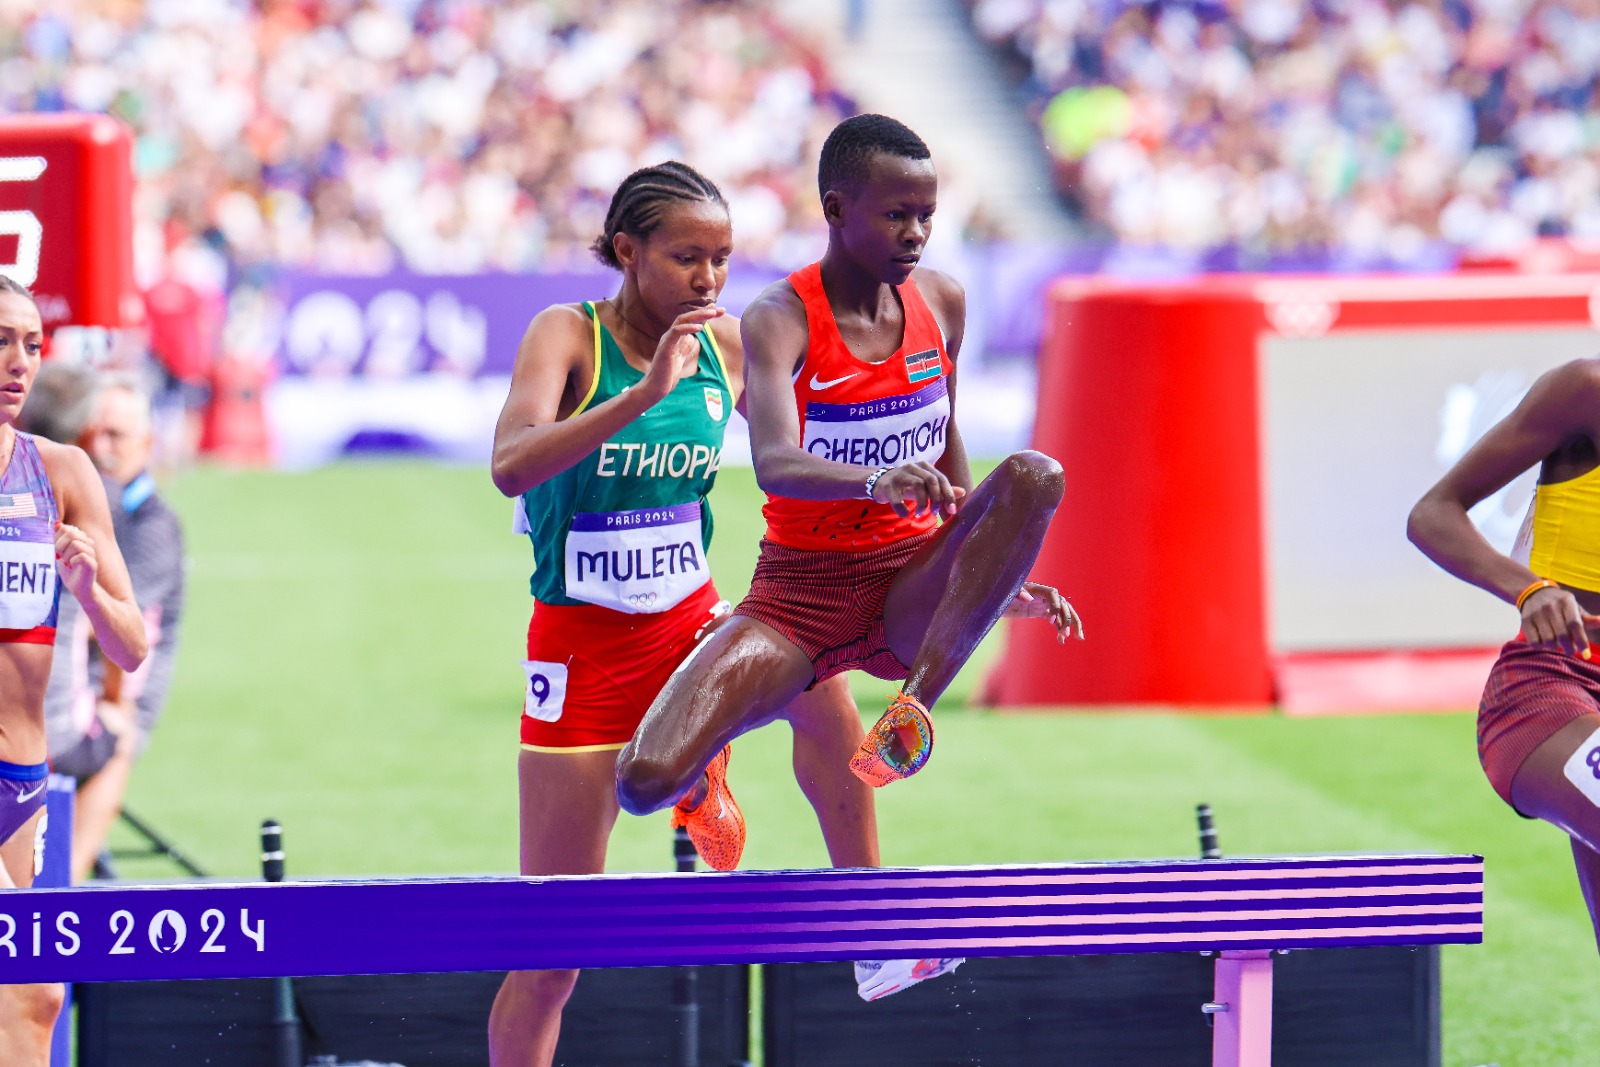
(952, 591)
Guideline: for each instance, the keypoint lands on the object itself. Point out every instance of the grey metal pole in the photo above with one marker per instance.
(285, 1019)
(685, 980)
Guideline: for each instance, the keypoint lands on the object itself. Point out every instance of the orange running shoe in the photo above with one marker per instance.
(715, 825)
(880, 760)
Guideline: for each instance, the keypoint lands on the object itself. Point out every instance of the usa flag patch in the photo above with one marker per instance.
(18, 506)
(924, 365)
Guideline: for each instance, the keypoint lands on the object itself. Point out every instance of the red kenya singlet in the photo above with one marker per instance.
(874, 414)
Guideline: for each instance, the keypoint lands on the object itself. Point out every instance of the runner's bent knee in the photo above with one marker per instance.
(646, 781)
(1031, 479)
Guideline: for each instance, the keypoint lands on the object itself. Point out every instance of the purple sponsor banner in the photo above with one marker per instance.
(320, 928)
(395, 325)
(400, 324)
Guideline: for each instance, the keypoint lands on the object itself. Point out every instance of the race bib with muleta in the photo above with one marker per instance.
(27, 573)
(639, 562)
(881, 433)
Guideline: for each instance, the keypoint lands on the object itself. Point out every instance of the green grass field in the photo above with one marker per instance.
(350, 667)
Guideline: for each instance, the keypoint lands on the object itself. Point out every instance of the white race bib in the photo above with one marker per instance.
(881, 433)
(1583, 768)
(546, 695)
(27, 578)
(640, 562)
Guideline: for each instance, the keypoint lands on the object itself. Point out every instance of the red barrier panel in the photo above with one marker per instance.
(66, 216)
(1241, 454)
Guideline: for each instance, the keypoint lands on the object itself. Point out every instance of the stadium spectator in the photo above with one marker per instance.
(359, 135)
(1375, 126)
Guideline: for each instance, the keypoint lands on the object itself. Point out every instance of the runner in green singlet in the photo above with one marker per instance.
(610, 440)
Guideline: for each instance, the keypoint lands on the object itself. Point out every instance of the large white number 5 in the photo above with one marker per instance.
(24, 225)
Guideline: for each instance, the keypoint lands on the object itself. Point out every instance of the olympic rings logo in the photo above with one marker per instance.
(642, 600)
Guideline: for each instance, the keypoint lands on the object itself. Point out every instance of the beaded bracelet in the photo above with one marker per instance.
(1534, 587)
(872, 479)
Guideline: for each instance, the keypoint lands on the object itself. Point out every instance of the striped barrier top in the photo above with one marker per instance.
(228, 930)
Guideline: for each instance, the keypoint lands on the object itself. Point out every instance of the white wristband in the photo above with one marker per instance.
(872, 480)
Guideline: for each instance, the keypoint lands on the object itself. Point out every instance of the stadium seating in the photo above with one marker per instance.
(1269, 125)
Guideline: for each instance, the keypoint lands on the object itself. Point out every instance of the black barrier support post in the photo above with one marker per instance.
(685, 980)
(285, 1019)
(1209, 849)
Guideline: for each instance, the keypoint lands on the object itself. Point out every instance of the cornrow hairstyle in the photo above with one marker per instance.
(849, 149)
(637, 204)
(9, 284)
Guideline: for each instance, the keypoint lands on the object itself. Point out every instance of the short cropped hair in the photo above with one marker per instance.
(61, 404)
(849, 149)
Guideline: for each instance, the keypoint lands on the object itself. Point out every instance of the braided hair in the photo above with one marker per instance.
(849, 149)
(637, 204)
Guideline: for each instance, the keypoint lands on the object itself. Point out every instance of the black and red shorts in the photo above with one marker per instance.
(830, 604)
(1532, 692)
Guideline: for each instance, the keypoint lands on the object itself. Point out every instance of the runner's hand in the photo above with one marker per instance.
(1035, 601)
(913, 488)
(677, 353)
(1552, 617)
(75, 558)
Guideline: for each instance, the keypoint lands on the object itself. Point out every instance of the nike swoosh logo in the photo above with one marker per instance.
(23, 798)
(818, 383)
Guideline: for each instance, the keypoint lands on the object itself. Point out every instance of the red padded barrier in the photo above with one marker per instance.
(1154, 397)
(1148, 399)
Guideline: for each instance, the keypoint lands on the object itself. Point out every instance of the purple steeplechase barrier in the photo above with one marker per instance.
(364, 927)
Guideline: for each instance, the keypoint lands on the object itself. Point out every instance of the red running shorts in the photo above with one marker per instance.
(592, 672)
(1532, 692)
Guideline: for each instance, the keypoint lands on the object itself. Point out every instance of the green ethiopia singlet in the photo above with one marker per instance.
(627, 527)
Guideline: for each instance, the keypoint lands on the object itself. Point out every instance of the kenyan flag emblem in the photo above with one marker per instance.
(923, 366)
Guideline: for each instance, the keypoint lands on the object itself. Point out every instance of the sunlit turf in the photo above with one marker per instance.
(349, 668)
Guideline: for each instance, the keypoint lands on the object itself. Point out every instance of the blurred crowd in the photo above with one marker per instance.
(443, 136)
(1375, 125)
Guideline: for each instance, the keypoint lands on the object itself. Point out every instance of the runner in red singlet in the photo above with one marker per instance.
(879, 555)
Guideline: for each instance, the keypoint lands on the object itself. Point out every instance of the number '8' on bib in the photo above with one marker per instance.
(1582, 768)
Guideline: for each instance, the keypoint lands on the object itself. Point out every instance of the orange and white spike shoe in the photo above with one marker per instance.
(897, 746)
(876, 979)
(715, 825)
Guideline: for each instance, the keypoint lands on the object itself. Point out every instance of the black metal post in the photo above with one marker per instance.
(285, 1019)
(1209, 849)
(686, 980)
